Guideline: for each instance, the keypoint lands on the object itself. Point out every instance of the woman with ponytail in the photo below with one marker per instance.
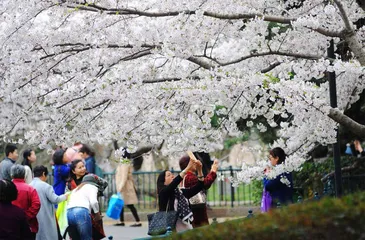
(29, 157)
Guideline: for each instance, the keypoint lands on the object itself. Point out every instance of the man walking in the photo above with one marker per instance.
(11, 152)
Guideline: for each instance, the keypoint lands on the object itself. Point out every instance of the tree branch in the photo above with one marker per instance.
(271, 67)
(350, 35)
(97, 105)
(97, 115)
(74, 99)
(126, 11)
(347, 122)
(288, 54)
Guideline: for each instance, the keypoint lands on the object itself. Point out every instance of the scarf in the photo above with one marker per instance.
(182, 207)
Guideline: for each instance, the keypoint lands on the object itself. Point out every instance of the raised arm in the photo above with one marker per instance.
(189, 192)
(210, 178)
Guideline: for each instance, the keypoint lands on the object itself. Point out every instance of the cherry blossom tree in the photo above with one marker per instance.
(148, 71)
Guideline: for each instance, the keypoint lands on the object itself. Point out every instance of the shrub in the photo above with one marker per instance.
(328, 218)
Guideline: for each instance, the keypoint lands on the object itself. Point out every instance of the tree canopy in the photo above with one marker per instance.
(148, 71)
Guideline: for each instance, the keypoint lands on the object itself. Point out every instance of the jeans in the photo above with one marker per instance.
(79, 222)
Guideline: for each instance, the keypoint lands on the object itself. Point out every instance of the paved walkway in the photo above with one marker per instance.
(126, 233)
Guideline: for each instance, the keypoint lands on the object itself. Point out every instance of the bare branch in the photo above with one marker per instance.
(347, 122)
(97, 115)
(97, 105)
(74, 99)
(271, 67)
(54, 89)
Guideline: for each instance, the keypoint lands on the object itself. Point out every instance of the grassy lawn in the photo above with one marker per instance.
(222, 192)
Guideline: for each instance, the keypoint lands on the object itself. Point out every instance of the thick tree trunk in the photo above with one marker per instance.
(347, 122)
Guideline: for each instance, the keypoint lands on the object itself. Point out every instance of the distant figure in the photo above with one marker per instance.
(27, 199)
(279, 191)
(46, 216)
(359, 149)
(13, 222)
(125, 185)
(11, 154)
(89, 156)
(29, 157)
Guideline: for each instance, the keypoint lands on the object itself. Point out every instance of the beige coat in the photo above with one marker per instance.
(125, 184)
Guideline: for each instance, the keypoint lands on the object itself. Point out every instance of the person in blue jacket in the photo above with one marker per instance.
(61, 171)
(279, 191)
(89, 156)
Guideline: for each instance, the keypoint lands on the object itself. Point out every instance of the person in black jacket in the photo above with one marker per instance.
(171, 198)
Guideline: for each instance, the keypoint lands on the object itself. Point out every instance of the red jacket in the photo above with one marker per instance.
(28, 200)
(200, 214)
(191, 179)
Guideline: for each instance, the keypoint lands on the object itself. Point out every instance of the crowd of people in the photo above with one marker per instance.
(28, 203)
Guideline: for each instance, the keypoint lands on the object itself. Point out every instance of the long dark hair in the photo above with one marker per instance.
(73, 167)
(161, 181)
(26, 161)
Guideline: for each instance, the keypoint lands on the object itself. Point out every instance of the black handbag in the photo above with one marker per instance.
(159, 221)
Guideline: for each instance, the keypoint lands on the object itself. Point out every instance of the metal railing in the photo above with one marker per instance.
(220, 194)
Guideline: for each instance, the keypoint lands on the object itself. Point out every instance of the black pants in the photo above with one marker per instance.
(133, 210)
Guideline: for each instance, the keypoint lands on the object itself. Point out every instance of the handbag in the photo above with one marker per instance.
(198, 200)
(266, 201)
(97, 228)
(159, 221)
(115, 206)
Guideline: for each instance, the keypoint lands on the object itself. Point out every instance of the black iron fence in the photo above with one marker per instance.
(350, 184)
(220, 194)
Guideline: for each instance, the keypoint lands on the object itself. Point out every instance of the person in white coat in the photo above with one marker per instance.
(83, 200)
(46, 215)
(29, 157)
(125, 185)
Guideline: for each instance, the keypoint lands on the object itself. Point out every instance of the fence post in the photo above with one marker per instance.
(250, 214)
(316, 196)
(232, 188)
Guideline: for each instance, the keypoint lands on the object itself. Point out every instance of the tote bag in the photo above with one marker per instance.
(115, 206)
(266, 201)
(159, 221)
